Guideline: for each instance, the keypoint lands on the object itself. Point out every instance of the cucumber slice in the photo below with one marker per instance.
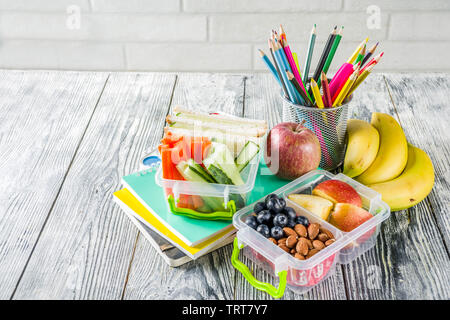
(220, 164)
(194, 166)
(246, 155)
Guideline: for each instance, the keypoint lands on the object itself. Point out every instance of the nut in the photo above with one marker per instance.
(283, 246)
(274, 241)
(311, 253)
(289, 232)
(301, 230)
(291, 241)
(327, 232)
(318, 244)
(293, 251)
(329, 242)
(282, 240)
(309, 242)
(299, 256)
(322, 237)
(302, 246)
(313, 230)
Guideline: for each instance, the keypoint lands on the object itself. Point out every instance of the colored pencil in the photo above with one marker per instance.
(325, 52)
(316, 93)
(369, 53)
(283, 65)
(356, 52)
(312, 41)
(326, 91)
(287, 66)
(339, 79)
(277, 67)
(282, 33)
(295, 71)
(269, 65)
(294, 55)
(374, 60)
(360, 79)
(297, 87)
(361, 55)
(346, 88)
(333, 49)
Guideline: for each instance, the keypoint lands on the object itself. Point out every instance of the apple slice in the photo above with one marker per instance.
(338, 192)
(319, 206)
(347, 217)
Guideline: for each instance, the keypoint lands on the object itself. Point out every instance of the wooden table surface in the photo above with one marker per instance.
(67, 138)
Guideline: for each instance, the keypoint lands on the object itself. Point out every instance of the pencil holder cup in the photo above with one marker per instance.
(329, 125)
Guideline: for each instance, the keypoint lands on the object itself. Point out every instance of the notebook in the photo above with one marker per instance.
(134, 208)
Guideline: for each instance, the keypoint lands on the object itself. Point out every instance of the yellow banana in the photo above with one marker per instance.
(362, 147)
(392, 153)
(412, 186)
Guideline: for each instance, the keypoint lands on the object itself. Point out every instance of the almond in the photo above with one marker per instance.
(299, 256)
(283, 246)
(291, 241)
(293, 251)
(313, 230)
(302, 246)
(329, 242)
(311, 253)
(289, 232)
(327, 232)
(317, 244)
(274, 241)
(301, 230)
(309, 242)
(282, 240)
(322, 237)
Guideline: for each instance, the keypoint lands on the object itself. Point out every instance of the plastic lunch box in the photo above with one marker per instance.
(302, 275)
(175, 189)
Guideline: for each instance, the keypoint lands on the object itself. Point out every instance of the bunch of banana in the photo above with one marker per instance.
(379, 156)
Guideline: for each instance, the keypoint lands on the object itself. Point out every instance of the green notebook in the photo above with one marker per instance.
(192, 231)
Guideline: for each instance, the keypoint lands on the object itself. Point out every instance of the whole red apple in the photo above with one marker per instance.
(291, 150)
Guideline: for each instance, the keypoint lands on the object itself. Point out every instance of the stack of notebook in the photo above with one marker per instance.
(176, 238)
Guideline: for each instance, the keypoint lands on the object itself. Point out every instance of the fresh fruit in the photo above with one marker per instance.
(412, 186)
(259, 206)
(347, 217)
(302, 220)
(251, 222)
(276, 204)
(362, 147)
(319, 206)
(270, 196)
(264, 230)
(280, 220)
(264, 217)
(291, 222)
(290, 212)
(337, 192)
(291, 150)
(392, 154)
(277, 232)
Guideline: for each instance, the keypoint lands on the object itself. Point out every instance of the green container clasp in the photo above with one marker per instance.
(216, 215)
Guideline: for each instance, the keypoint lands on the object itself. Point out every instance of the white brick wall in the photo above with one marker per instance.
(214, 35)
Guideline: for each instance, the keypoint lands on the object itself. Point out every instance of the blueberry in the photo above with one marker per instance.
(251, 222)
(290, 212)
(280, 220)
(277, 232)
(264, 230)
(291, 222)
(264, 217)
(302, 220)
(276, 204)
(270, 196)
(259, 206)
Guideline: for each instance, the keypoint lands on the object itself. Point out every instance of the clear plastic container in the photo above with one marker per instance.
(302, 275)
(232, 197)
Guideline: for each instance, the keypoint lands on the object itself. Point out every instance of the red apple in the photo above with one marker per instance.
(347, 217)
(291, 150)
(338, 192)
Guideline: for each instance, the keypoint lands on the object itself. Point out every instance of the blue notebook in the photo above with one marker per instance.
(192, 231)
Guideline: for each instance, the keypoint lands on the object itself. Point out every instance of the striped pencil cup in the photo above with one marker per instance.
(329, 125)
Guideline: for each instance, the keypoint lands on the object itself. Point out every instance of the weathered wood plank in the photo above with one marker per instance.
(86, 247)
(410, 260)
(263, 102)
(43, 116)
(211, 276)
